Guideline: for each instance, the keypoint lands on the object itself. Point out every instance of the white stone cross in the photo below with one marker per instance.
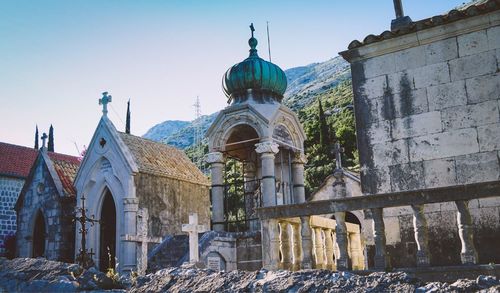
(193, 229)
(142, 239)
(44, 138)
(104, 102)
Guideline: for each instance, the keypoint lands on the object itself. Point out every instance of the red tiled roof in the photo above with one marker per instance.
(16, 160)
(66, 167)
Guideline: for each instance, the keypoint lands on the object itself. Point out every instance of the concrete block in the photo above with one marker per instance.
(446, 95)
(430, 75)
(472, 43)
(390, 153)
(470, 115)
(416, 125)
(407, 177)
(400, 81)
(444, 145)
(489, 137)
(483, 88)
(374, 87)
(480, 167)
(473, 65)
(441, 51)
(409, 58)
(379, 132)
(439, 173)
(493, 34)
(379, 65)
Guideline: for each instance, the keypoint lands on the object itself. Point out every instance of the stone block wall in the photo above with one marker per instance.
(10, 188)
(59, 229)
(429, 116)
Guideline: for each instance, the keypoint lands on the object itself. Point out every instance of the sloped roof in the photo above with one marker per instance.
(16, 160)
(471, 9)
(66, 167)
(163, 160)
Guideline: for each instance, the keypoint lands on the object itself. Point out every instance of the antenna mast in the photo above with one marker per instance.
(198, 147)
(268, 42)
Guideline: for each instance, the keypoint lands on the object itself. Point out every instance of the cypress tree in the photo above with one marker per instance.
(127, 123)
(324, 135)
(36, 138)
(50, 145)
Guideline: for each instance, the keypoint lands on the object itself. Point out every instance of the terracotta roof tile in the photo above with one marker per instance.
(471, 9)
(16, 160)
(66, 167)
(160, 159)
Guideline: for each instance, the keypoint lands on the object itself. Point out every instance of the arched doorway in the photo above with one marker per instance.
(39, 233)
(107, 243)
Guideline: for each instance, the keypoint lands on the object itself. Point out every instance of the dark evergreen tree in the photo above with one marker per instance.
(50, 145)
(127, 123)
(324, 135)
(36, 138)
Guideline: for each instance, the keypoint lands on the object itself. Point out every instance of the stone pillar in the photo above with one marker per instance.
(267, 151)
(270, 244)
(342, 241)
(381, 258)
(305, 232)
(129, 256)
(216, 161)
(319, 249)
(299, 194)
(357, 258)
(468, 254)
(421, 235)
(286, 262)
(329, 249)
(297, 247)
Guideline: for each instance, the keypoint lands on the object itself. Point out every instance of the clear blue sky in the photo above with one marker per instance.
(56, 57)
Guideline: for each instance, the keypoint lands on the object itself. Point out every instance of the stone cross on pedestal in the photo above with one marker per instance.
(338, 150)
(193, 229)
(401, 20)
(104, 102)
(142, 239)
(44, 138)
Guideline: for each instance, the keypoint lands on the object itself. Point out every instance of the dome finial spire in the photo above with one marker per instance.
(252, 42)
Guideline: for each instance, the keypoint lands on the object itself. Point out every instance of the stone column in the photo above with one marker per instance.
(468, 254)
(285, 246)
(421, 235)
(216, 161)
(381, 258)
(319, 249)
(267, 151)
(329, 249)
(297, 247)
(341, 238)
(298, 162)
(305, 232)
(270, 244)
(129, 256)
(357, 262)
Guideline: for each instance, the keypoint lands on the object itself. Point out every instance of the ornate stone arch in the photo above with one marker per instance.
(292, 127)
(227, 126)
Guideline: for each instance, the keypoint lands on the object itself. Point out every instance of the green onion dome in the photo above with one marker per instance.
(254, 77)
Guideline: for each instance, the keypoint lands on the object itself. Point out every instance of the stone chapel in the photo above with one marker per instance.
(140, 191)
(45, 208)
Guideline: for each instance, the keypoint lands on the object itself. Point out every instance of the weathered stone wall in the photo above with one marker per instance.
(249, 252)
(10, 188)
(427, 109)
(60, 230)
(169, 202)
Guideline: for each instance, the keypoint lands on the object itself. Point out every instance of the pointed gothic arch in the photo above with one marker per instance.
(107, 232)
(39, 235)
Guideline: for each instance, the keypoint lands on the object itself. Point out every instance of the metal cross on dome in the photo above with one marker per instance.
(252, 29)
(104, 102)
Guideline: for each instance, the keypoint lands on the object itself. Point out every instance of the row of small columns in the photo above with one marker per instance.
(299, 253)
(267, 151)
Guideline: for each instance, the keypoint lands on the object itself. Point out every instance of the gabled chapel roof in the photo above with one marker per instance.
(162, 160)
(66, 167)
(16, 160)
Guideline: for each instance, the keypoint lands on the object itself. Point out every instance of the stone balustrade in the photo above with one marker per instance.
(310, 242)
(319, 236)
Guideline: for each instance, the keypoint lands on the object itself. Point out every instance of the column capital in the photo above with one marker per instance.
(214, 157)
(267, 147)
(299, 158)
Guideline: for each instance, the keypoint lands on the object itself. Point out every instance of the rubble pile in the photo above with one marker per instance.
(40, 275)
